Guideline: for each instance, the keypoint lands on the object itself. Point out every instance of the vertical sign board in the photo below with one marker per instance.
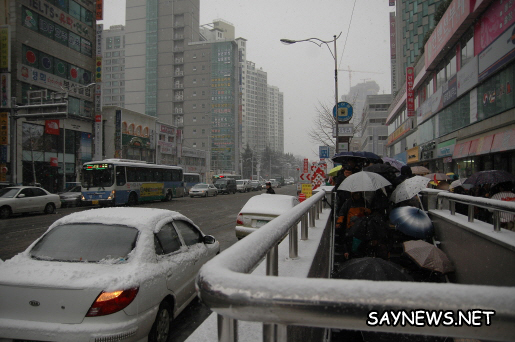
(98, 137)
(393, 50)
(4, 134)
(5, 90)
(410, 95)
(118, 134)
(99, 9)
(5, 51)
(323, 152)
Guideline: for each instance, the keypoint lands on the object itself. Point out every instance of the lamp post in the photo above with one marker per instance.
(319, 42)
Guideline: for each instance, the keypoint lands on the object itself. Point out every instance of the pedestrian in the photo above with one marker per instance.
(269, 189)
(504, 194)
(405, 174)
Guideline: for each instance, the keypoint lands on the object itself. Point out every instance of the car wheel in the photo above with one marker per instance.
(133, 199)
(5, 212)
(78, 203)
(168, 197)
(206, 194)
(160, 330)
(216, 194)
(49, 208)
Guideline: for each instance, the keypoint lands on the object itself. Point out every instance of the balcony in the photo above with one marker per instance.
(179, 60)
(179, 73)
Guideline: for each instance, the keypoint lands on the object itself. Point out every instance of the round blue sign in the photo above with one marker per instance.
(343, 112)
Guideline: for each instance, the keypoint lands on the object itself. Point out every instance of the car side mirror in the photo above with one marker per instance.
(209, 239)
(21, 195)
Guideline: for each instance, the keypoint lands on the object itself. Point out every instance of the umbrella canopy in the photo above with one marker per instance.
(371, 157)
(364, 181)
(412, 221)
(437, 176)
(409, 188)
(428, 256)
(371, 269)
(420, 170)
(490, 177)
(344, 156)
(334, 171)
(460, 182)
(369, 228)
(393, 162)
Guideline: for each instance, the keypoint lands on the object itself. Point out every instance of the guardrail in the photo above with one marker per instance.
(225, 286)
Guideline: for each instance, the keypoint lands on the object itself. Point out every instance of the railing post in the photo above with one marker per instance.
(304, 227)
(316, 207)
(497, 220)
(227, 329)
(471, 213)
(294, 242)
(272, 261)
(453, 207)
(311, 218)
(275, 333)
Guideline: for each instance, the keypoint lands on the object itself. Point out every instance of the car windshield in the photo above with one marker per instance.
(8, 192)
(97, 177)
(221, 182)
(76, 188)
(240, 182)
(95, 243)
(200, 186)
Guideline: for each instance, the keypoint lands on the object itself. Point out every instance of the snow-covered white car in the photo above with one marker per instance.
(261, 209)
(104, 275)
(25, 199)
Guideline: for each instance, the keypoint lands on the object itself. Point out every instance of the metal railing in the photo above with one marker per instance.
(226, 287)
(495, 206)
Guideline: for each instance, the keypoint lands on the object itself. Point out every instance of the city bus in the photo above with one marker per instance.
(190, 179)
(118, 181)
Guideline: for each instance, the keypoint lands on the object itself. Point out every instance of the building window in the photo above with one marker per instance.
(194, 119)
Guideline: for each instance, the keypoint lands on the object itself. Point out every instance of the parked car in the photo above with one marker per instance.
(104, 275)
(203, 190)
(24, 199)
(71, 197)
(256, 185)
(243, 185)
(261, 209)
(225, 186)
(275, 183)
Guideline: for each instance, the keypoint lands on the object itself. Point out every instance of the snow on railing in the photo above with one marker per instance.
(469, 311)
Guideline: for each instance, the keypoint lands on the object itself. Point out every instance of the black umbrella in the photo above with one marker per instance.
(387, 171)
(490, 177)
(369, 228)
(371, 269)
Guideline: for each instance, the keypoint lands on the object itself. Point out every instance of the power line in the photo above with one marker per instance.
(348, 30)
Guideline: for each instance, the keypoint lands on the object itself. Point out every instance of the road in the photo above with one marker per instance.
(214, 215)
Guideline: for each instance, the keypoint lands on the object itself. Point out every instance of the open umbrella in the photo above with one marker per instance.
(371, 269)
(369, 228)
(409, 188)
(437, 176)
(344, 156)
(490, 177)
(428, 256)
(412, 221)
(371, 157)
(334, 171)
(393, 162)
(460, 182)
(420, 170)
(364, 181)
(387, 171)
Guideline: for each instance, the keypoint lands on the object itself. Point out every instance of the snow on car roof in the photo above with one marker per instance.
(269, 204)
(140, 218)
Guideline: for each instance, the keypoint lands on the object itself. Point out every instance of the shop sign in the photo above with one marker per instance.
(191, 152)
(345, 130)
(5, 46)
(467, 76)
(450, 91)
(447, 160)
(413, 155)
(399, 132)
(135, 141)
(446, 148)
(166, 147)
(504, 141)
(5, 90)
(461, 150)
(432, 105)
(492, 24)
(4, 128)
(498, 54)
(427, 151)
(410, 94)
(167, 129)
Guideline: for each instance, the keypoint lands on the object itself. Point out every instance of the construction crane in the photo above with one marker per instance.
(350, 71)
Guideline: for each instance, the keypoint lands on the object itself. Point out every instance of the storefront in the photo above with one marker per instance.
(413, 155)
(444, 151)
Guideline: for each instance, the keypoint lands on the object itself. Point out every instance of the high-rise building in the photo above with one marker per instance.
(374, 131)
(275, 120)
(254, 107)
(47, 57)
(113, 66)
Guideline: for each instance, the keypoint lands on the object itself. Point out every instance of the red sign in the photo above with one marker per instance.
(98, 118)
(492, 24)
(99, 9)
(410, 95)
(305, 176)
(52, 127)
(306, 166)
(53, 161)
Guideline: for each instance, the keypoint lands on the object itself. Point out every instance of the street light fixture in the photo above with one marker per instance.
(319, 42)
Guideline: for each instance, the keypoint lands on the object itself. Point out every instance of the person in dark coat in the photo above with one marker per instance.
(269, 189)
(405, 174)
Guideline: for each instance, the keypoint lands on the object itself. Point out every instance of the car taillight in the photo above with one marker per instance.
(111, 302)
(239, 219)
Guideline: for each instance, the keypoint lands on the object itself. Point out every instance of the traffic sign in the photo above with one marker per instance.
(343, 113)
(305, 176)
(323, 151)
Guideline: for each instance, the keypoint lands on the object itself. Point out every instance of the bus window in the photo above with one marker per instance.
(120, 175)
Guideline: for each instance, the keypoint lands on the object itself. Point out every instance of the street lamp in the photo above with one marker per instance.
(319, 42)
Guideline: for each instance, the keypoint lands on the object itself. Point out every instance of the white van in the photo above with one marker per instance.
(243, 185)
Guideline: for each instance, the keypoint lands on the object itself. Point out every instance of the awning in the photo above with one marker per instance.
(503, 141)
(481, 145)
(461, 150)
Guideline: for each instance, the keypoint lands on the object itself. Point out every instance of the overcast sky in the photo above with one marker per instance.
(304, 72)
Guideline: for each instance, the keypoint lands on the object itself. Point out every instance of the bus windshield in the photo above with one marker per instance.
(97, 175)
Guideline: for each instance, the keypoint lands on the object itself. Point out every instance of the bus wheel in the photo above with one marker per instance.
(168, 197)
(133, 199)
